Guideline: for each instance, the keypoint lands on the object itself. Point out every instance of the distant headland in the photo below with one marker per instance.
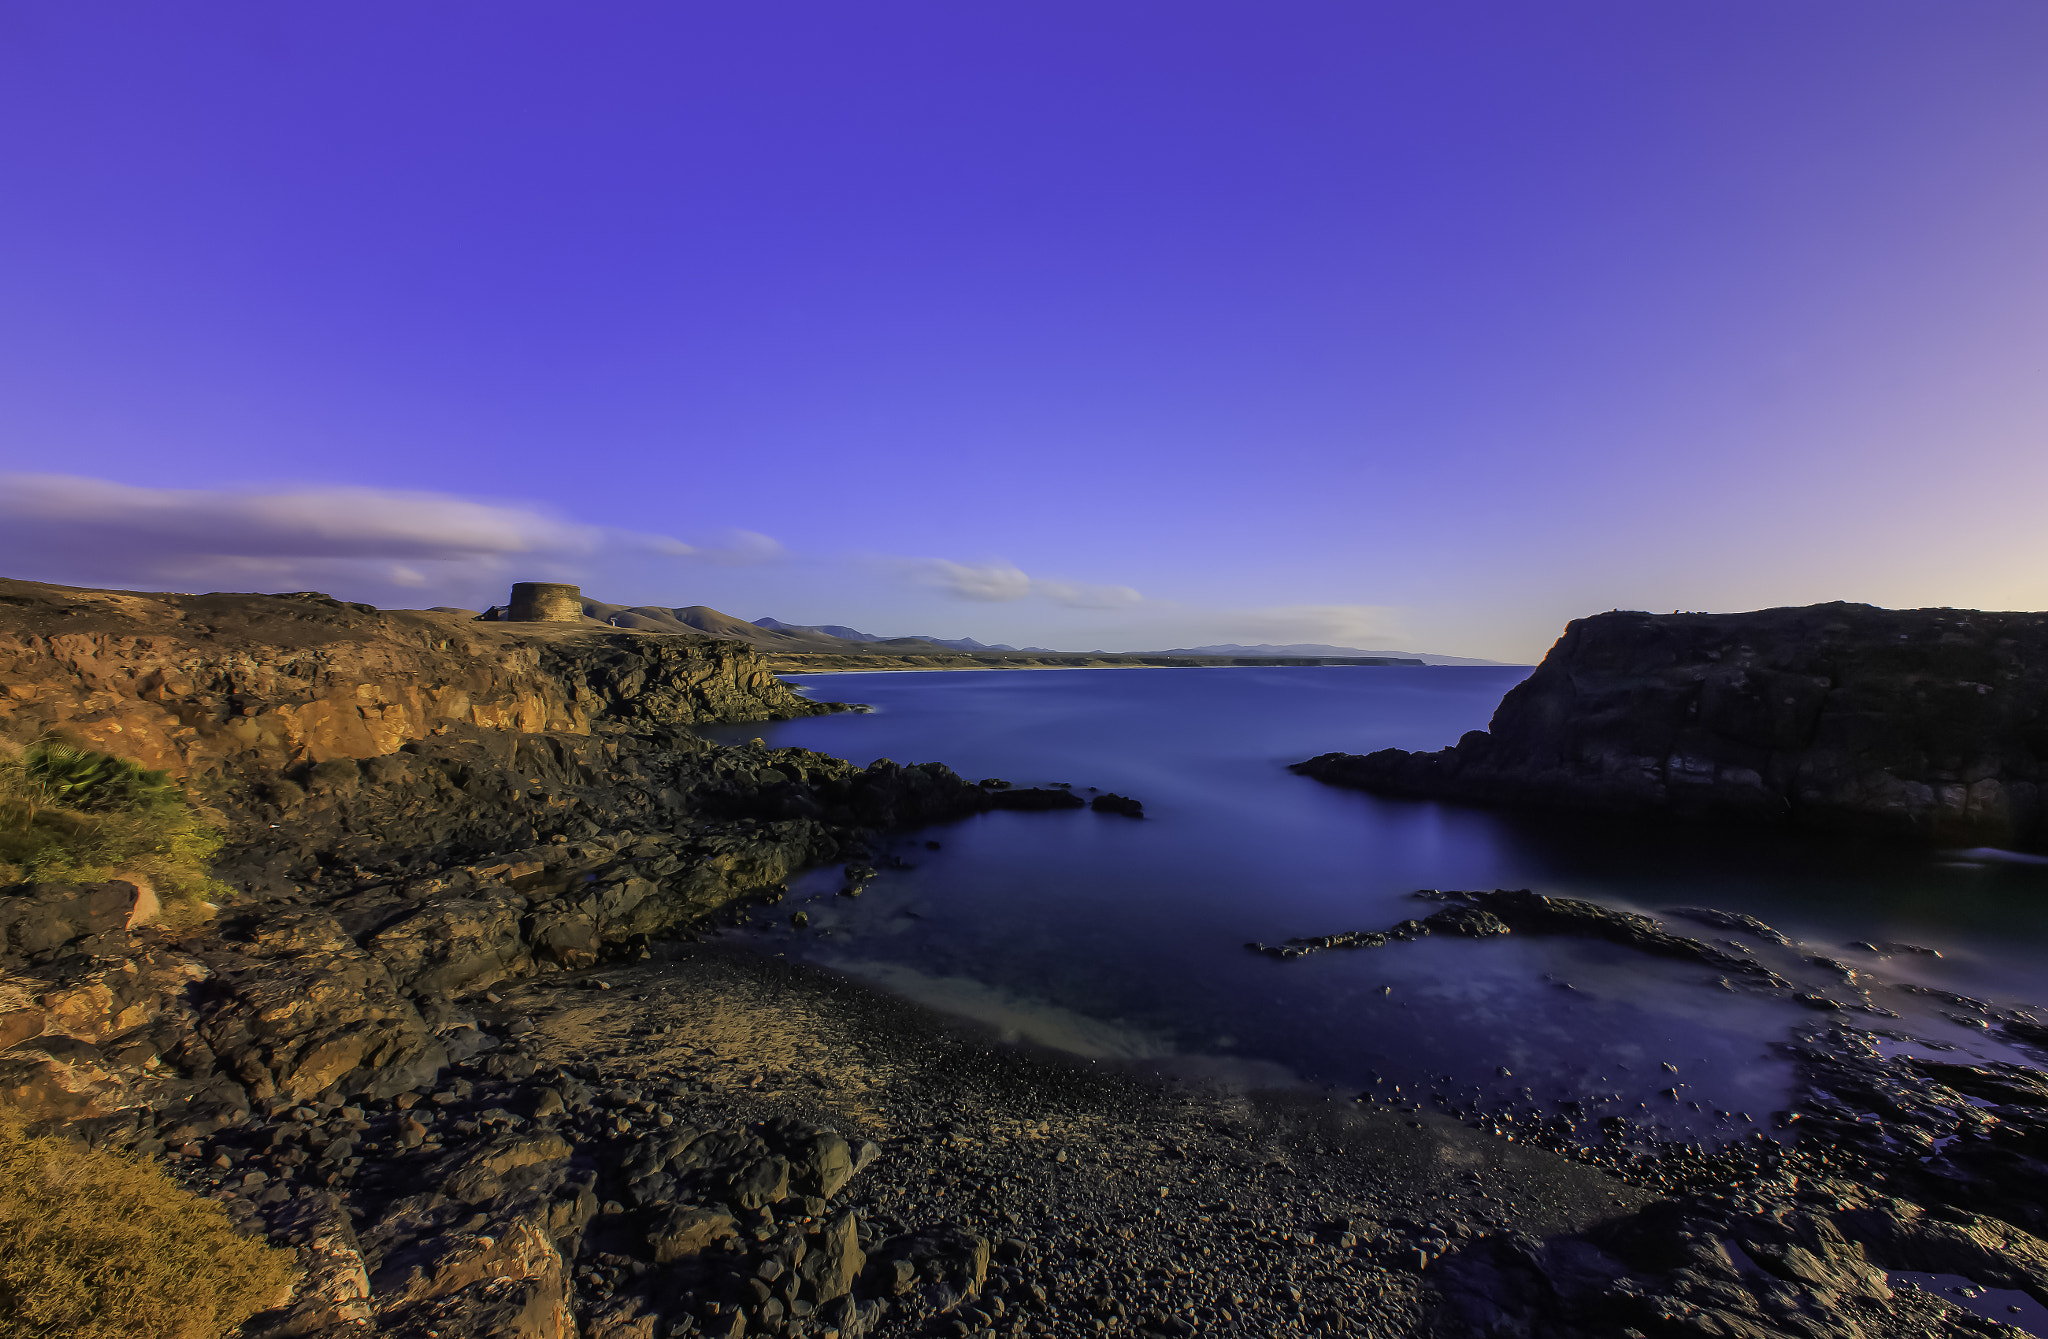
(822, 648)
(1924, 722)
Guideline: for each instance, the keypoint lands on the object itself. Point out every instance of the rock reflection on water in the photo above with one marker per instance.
(1118, 938)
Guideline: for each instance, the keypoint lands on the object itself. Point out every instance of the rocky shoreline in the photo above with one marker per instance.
(659, 1143)
(492, 1036)
(1887, 1161)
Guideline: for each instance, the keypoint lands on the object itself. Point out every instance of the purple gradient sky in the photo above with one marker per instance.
(1421, 325)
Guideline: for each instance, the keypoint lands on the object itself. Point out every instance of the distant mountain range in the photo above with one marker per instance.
(772, 634)
(856, 635)
(1303, 650)
(1309, 649)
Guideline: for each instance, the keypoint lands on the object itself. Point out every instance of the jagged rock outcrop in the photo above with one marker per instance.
(1924, 722)
(204, 685)
(418, 808)
(421, 811)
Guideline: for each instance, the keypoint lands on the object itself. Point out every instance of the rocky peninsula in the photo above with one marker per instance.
(1930, 724)
(488, 1030)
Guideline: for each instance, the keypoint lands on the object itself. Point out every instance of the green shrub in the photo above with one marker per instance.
(73, 814)
(95, 783)
(95, 1246)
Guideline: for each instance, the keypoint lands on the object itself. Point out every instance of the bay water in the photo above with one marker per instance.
(1123, 940)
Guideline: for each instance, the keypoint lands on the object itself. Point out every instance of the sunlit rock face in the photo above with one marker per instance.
(201, 684)
(1929, 722)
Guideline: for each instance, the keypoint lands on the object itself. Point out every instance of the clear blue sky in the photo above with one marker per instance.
(1104, 324)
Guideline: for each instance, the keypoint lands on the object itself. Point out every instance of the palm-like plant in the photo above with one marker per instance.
(94, 782)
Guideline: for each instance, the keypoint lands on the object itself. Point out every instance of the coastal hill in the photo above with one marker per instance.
(1931, 723)
(856, 635)
(800, 648)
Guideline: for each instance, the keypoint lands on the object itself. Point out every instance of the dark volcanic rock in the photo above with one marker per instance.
(1470, 922)
(1033, 799)
(948, 1263)
(1731, 920)
(1117, 804)
(1477, 915)
(1926, 722)
(40, 920)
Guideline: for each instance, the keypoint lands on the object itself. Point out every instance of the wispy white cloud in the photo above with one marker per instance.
(725, 548)
(1083, 596)
(1001, 582)
(990, 582)
(82, 529)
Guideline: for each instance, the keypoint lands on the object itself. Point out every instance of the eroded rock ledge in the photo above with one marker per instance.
(1931, 723)
(210, 686)
(424, 811)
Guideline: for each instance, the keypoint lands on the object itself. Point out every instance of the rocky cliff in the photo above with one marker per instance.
(417, 809)
(1931, 723)
(209, 684)
(424, 811)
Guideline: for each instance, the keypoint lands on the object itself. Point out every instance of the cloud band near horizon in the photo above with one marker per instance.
(88, 529)
(397, 547)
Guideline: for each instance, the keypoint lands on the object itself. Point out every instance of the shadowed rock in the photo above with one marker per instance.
(1921, 722)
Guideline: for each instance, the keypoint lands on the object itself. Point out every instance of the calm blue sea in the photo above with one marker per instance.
(1124, 939)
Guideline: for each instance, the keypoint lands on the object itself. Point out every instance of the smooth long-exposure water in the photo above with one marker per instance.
(1114, 937)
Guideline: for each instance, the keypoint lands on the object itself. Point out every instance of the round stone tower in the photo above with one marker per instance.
(544, 602)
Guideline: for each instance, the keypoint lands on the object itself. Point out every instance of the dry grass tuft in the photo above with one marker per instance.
(95, 1246)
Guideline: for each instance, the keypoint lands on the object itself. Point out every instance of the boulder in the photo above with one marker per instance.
(947, 1263)
(38, 920)
(835, 1260)
(499, 1166)
(59, 1078)
(313, 1011)
(505, 1276)
(333, 1292)
(690, 1231)
(633, 1316)
(454, 946)
(822, 1164)
(760, 1184)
